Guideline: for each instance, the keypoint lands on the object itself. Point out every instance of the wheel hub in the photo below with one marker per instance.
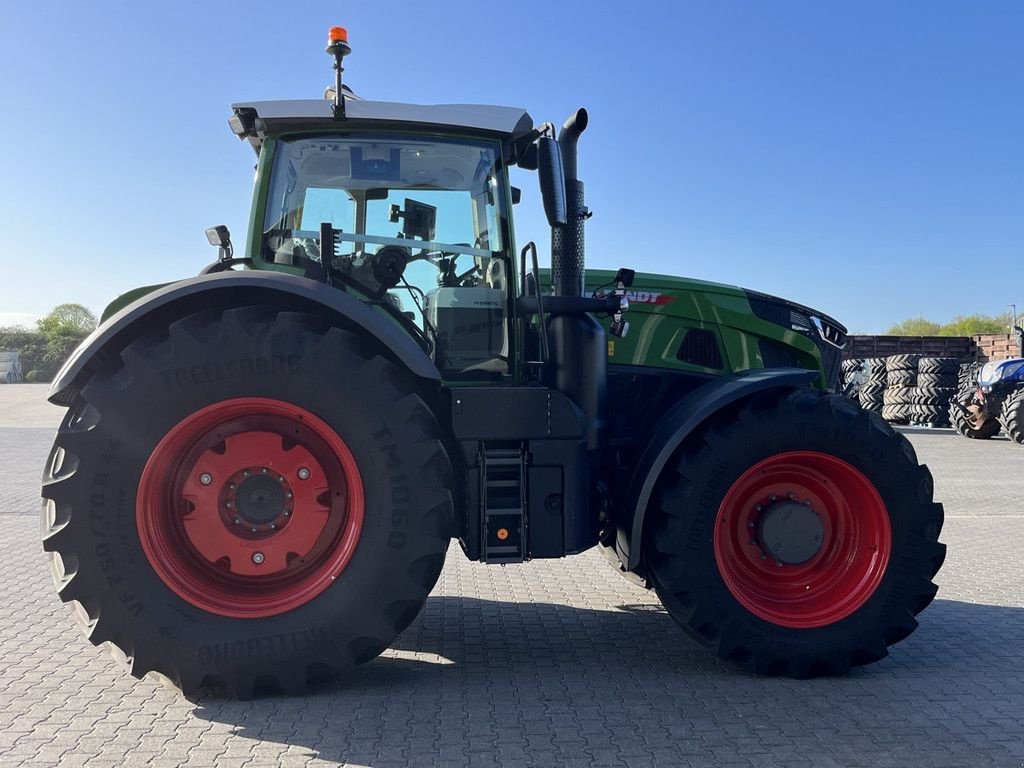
(976, 416)
(790, 532)
(257, 498)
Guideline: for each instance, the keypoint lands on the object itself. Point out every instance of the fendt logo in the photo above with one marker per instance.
(642, 297)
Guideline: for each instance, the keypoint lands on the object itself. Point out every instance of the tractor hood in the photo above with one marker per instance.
(650, 288)
(766, 331)
(1000, 370)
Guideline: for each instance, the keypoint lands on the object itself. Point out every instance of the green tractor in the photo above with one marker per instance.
(261, 468)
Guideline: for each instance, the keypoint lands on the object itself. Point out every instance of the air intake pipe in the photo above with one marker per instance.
(567, 243)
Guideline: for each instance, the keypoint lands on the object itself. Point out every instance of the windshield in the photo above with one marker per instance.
(418, 224)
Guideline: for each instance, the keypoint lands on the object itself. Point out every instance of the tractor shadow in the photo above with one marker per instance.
(480, 682)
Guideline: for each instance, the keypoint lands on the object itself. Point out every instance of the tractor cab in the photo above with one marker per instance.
(415, 223)
(406, 206)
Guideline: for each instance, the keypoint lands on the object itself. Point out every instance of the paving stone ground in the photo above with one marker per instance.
(551, 663)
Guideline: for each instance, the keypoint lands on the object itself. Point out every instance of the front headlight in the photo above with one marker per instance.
(829, 332)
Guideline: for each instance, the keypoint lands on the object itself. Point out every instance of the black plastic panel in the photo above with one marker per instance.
(514, 413)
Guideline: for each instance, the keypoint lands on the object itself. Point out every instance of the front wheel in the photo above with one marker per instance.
(799, 538)
(247, 500)
(970, 418)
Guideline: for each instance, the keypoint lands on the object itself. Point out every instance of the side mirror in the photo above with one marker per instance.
(552, 180)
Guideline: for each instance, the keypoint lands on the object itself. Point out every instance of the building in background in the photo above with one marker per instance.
(10, 368)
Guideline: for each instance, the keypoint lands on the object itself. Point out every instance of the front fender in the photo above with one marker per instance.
(233, 289)
(680, 422)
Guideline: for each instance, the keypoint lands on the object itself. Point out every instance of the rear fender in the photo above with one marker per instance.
(234, 289)
(684, 419)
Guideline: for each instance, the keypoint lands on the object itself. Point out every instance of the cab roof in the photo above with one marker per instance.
(261, 118)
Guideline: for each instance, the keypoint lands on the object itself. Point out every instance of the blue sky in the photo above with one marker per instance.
(863, 158)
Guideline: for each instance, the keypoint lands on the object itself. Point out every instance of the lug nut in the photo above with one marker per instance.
(258, 558)
(304, 473)
(228, 504)
(206, 478)
(253, 529)
(237, 520)
(245, 472)
(263, 471)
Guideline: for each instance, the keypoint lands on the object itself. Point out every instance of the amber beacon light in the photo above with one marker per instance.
(337, 46)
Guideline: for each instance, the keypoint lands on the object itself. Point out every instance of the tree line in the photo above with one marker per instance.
(961, 325)
(44, 349)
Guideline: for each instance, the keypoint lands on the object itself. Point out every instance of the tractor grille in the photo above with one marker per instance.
(828, 335)
(700, 347)
(831, 360)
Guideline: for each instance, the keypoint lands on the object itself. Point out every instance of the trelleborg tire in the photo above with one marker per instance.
(930, 396)
(1012, 415)
(873, 405)
(902, 362)
(967, 378)
(937, 381)
(896, 413)
(808, 456)
(932, 415)
(949, 365)
(876, 369)
(902, 378)
(248, 501)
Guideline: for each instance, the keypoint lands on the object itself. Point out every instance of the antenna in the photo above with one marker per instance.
(337, 46)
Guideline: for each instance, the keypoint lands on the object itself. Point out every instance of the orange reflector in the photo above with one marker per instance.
(337, 35)
(502, 534)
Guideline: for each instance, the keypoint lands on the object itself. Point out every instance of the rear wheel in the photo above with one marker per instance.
(799, 538)
(251, 500)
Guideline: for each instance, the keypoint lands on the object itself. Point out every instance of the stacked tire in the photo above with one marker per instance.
(967, 377)
(871, 391)
(852, 377)
(901, 380)
(937, 384)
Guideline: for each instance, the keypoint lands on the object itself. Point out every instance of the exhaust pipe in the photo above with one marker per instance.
(578, 342)
(567, 243)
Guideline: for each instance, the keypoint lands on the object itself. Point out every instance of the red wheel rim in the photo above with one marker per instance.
(250, 507)
(847, 568)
